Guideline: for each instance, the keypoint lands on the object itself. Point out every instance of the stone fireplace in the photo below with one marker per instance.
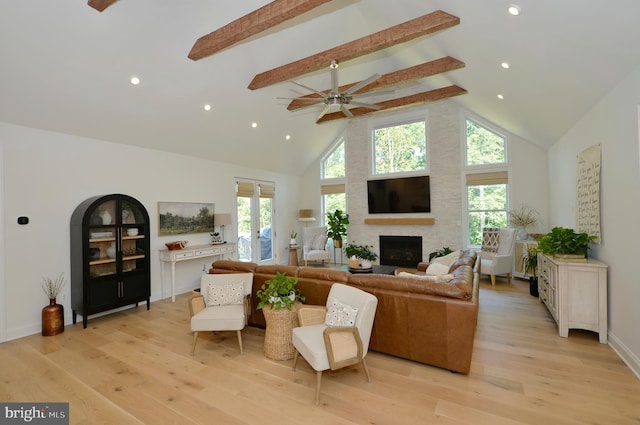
(401, 251)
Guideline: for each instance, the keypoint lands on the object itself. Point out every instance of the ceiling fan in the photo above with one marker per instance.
(334, 100)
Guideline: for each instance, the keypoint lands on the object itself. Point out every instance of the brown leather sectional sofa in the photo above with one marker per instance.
(417, 320)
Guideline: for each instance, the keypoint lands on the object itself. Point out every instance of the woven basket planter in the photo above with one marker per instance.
(278, 334)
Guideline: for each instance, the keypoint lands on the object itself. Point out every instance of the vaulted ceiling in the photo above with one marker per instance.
(65, 67)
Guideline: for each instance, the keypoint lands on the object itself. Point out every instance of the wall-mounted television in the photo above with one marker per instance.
(399, 195)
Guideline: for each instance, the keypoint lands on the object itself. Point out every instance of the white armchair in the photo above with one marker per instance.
(496, 255)
(314, 244)
(223, 305)
(336, 335)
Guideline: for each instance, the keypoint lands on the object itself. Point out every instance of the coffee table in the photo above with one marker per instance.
(375, 270)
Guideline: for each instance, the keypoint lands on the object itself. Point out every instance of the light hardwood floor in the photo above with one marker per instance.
(134, 367)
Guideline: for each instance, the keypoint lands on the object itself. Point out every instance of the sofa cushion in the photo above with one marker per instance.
(437, 268)
(453, 289)
(232, 266)
(448, 259)
(436, 278)
(277, 268)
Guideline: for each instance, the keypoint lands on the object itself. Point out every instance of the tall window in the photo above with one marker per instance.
(400, 148)
(484, 146)
(332, 187)
(486, 180)
(254, 209)
(333, 165)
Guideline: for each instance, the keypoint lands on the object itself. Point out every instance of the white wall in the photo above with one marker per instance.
(46, 175)
(445, 127)
(612, 123)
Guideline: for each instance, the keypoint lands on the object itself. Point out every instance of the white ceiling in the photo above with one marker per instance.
(65, 67)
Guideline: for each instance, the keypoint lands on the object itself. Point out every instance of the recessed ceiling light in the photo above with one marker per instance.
(501, 97)
(287, 137)
(207, 107)
(505, 65)
(135, 80)
(514, 10)
(254, 124)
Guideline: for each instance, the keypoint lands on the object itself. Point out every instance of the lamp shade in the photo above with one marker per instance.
(306, 215)
(223, 219)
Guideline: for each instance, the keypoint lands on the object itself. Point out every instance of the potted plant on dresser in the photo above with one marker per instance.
(279, 301)
(565, 244)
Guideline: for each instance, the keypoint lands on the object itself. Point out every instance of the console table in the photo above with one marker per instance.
(575, 294)
(191, 253)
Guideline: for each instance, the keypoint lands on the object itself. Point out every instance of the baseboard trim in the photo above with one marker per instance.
(625, 354)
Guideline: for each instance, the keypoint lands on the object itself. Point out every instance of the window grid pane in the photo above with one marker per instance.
(400, 148)
(487, 208)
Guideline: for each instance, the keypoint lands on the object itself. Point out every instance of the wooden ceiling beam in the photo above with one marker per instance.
(401, 102)
(413, 73)
(427, 24)
(100, 5)
(253, 23)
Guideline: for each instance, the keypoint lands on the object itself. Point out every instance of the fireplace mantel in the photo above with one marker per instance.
(401, 221)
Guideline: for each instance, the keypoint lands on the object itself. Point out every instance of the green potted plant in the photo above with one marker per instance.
(337, 222)
(361, 256)
(279, 292)
(440, 253)
(564, 243)
(292, 237)
(530, 266)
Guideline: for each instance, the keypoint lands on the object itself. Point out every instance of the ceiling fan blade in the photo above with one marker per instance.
(362, 84)
(372, 93)
(365, 105)
(305, 98)
(309, 88)
(324, 111)
(346, 111)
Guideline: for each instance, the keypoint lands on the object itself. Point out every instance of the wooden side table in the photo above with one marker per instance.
(293, 255)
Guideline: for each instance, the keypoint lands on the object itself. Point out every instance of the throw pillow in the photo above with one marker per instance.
(441, 278)
(437, 268)
(319, 242)
(490, 239)
(448, 259)
(340, 315)
(225, 294)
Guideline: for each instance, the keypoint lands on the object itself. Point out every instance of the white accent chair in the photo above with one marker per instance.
(496, 255)
(325, 347)
(314, 245)
(231, 314)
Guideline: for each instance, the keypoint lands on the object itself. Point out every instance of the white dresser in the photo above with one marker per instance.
(191, 253)
(575, 294)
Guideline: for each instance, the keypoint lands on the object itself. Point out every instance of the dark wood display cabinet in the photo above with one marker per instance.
(109, 255)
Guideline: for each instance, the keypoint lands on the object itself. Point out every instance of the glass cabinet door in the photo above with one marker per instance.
(103, 240)
(132, 237)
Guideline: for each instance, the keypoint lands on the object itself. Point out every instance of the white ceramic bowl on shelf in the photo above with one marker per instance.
(132, 232)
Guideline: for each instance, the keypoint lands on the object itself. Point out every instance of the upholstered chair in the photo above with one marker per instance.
(498, 247)
(223, 304)
(314, 245)
(336, 335)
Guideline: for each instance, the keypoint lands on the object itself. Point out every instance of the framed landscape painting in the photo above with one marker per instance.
(178, 218)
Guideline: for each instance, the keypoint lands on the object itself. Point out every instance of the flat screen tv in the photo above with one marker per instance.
(399, 195)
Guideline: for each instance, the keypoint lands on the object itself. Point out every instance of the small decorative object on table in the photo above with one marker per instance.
(216, 238)
(292, 237)
(521, 219)
(53, 314)
(280, 300)
(360, 256)
(177, 245)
